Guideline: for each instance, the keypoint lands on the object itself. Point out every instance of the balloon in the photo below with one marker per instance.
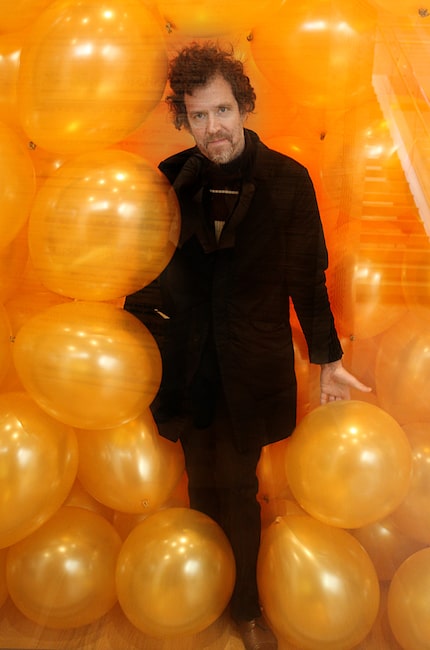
(20, 13)
(402, 371)
(13, 258)
(317, 585)
(78, 497)
(5, 343)
(129, 468)
(407, 603)
(175, 573)
(103, 226)
(408, 8)
(271, 471)
(365, 279)
(38, 464)
(63, 575)
(4, 592)
(387, 546)
(320, 52)
(90, 365)
(349, 463)
(412, 516)
(10, 49)
(90, 73)
(18, 185)
(213, 17)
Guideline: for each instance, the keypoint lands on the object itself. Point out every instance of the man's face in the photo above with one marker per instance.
(215, 121)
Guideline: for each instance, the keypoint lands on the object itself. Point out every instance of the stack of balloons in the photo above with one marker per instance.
(93, 502)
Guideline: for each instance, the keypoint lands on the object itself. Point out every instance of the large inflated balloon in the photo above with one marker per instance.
(91, 365)
(407, 603)
(5, 343)
(3, 585)
(412, 516)
(20, 14)
(317, 585)
(130, 468)
(213, 17)
(175, 573)
(103, 226)
(10, 49)
(402, 370)
(63, 575)
(18, 184)
(38, 464)
(349, 463)
(13, 258)
(320, 52)
(387, 545)
(405, 8)
(90, 73)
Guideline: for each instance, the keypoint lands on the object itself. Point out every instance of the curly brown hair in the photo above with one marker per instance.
(195, 65)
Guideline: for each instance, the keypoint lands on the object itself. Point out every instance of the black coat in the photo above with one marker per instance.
(237, 294)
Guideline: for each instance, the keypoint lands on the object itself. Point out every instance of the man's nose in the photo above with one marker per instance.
(212, 123)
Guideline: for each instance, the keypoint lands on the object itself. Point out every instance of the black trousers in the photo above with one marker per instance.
(223, 485)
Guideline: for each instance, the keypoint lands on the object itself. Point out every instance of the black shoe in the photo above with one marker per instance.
(257, 635)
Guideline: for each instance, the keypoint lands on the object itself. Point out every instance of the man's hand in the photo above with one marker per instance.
(336, 382)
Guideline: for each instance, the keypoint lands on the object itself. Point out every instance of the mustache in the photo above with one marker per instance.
(220, 135)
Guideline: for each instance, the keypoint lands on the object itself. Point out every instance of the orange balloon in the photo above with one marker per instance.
(271, 471)
(63, 575)
(402, 370)
(349, 463)
(407, 603)
(319, 52)
(129, 468)
(408, 8)
(103, 226)
(18, 185)
(91, 365)
(83, 84)
(387, 545)
(412, 517)
(213, 17)
(13, 258)
(20, 13)
(78, 497)
(175, 573)
(5, 343)
(10, 49)
(416, 275)
(4, 591)
(38, 464)
(317, 584)
(365, 279)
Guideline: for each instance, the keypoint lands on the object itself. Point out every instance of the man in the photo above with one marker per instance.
(251, 241)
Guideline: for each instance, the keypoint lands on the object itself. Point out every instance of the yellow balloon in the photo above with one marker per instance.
(63, 575)
(90, 365)
(175, 573)
(317, 585)
(349, 463)
(213, 17)
(103, 226)
(407, 603)
(38, 464)
(129, 468)
(412, 517)
(18, 184)
(90, 73)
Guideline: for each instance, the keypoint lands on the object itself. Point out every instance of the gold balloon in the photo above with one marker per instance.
(5, 343)
(90, 73)
(18, 184)
(129, 468)
(317, 584)
(91, 365)
(4, 592)
(175, 573)
(387, 545)
(38, 464)
(407, 603)
(412, 517)
(63, 575)
(20, 13)
(349, 463)
(103, 226)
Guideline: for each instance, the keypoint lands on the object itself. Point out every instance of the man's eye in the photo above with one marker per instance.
(223, 109)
